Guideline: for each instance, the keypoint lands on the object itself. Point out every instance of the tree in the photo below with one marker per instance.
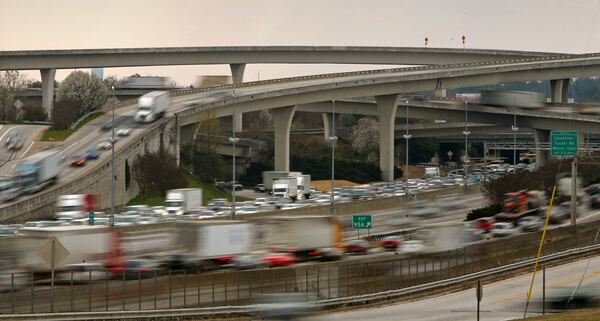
(264, 119)
(157, 172)
(11, 82)
(365, 137)
(86, 90)
(65, 112)
(111, 80)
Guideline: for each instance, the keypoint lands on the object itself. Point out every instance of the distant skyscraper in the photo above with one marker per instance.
(98, 72)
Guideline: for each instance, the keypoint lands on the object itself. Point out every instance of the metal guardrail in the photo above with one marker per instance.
(223, 311)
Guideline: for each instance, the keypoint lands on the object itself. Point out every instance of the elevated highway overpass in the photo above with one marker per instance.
(285, 96)
(47, 61)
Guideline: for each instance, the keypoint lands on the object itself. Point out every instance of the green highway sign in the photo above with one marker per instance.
(361, 222)
(563, 144)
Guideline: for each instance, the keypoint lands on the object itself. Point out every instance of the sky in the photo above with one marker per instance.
(536, 25)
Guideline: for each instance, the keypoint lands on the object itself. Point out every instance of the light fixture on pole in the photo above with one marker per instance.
(406, 137)
(332, 140)
(515, 129)
(233, 140)
(111, 218)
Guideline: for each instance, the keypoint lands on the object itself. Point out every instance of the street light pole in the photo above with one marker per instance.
(406, 137)
(111, 219)
(233, 140)
(515, 129)
(332, 140)
(466, 133)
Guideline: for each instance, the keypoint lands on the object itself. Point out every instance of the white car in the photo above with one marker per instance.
(104, 145)
(123, 132)
(502, 229)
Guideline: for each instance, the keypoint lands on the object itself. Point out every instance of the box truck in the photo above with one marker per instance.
(182, 200)
(286, 188)
(316, 237)
(304, 185)
(152, 106)
(75, 206)
(270, 176)
(208, 244)
(73, 245)
(38, 171)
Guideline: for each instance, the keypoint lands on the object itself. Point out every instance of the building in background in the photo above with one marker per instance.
(98, 72)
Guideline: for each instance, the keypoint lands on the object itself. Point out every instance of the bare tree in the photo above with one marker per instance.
(112, 80)
(365, 136)
(264, 119)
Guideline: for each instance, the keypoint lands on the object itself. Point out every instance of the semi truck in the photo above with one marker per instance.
(152, 106)
(75, 206)
(73, 245)
(286, 188)
(307, 237)
(520, 204)
(525, 99)
(38, 171)
(207, 244)
(182, 200)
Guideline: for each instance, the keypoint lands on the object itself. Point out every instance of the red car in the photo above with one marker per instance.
(485, 223)
(390, 243)
(77, 161)
(358, 246)
(279, 259)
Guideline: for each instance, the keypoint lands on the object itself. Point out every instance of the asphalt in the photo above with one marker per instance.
(504, 300)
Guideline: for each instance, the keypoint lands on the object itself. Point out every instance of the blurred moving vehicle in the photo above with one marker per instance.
(38, 171)
(357, 246)
(183, 200)
(91, 154)
(152, 106)
(390, 243)
(530, 223)
(520, 204)
(77, 161)
(502, 229)
(138, 268)
(286, 188)
(14, 142)
(81, 273)
(485, 223)
(75, 206)
(104, 145)
(123, 132)
(12, 193)
(260, 188)
(107, 126)
(279, 259)
(411, 246)
(508, 98)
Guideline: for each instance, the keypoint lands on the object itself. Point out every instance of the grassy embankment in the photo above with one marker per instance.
(62, 134)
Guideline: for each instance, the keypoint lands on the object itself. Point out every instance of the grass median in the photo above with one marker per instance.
(62, 134)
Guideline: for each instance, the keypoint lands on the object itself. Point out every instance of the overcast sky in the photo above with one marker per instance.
(542, 25)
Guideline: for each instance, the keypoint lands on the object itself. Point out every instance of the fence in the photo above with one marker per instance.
(101, 291)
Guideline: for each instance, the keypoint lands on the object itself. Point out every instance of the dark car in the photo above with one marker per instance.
(359, 246)
(261, 188)
(108, 125)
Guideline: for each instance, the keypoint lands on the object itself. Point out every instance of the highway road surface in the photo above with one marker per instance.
(504, 300)
(28, 133)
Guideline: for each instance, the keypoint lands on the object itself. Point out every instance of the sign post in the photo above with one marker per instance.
(479, 294)
(566, 144)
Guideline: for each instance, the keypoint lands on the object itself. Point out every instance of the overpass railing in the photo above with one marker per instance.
(345, 280)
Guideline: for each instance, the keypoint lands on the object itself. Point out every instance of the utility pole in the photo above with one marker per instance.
(574, 192)
(466, 133)
(407, 138)
(332, 140)
(111, 218)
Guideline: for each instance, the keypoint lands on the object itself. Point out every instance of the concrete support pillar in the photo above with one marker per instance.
(282, 123)
(237, 122)
(386, 108)
(559, 90)
(327, 125)
(48, 90)
(237, 73)
(541, 136)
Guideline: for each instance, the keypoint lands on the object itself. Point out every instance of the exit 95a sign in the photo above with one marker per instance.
(361, 222)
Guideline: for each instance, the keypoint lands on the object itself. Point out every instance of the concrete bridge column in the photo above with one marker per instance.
(541, 136)
(237, 75)
(282, 123)
(327, 125)
(559, 90)
(386, 108)
(48, 90)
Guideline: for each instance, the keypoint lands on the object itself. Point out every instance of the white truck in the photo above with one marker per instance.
(211, 243)
(73, 245)
(431, 172)
(182, 200)
(286, 188)
(305, 236)
(304, 185)
(270, 176)
(152, 106)
(38, 171)
(75, 206)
